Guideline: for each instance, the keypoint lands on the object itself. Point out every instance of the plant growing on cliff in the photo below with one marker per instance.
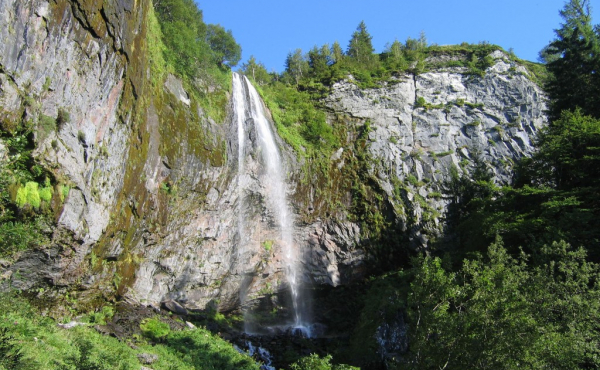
(192, 45)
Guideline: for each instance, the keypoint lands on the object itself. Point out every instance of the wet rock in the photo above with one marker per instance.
(391, 337)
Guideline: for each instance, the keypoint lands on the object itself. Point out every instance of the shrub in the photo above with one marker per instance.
(62, 117)
(155, 329)
(314, 362)
(47, 124)
(412, 180)
(28, 195)
(420, 102)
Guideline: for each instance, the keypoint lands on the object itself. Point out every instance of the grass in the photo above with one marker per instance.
(31, 341)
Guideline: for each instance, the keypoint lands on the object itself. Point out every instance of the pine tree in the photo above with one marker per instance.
(318, 59)
(573, 59)
(360, 47)
(296, 65)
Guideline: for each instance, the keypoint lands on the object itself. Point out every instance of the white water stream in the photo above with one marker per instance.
(249, 114)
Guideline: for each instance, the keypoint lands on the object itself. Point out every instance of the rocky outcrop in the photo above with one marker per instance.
(423, 125)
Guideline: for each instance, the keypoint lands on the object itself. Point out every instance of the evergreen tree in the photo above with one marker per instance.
(394, 56)
(296, 66)
(574, 61)
(318, 59)
(256, 70)
(360, 47)
(568, 153)
(337, 54)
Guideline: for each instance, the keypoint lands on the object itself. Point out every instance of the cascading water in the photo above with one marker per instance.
(248, 108)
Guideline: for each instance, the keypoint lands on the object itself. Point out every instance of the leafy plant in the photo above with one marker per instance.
(314, 362)
(154, 328)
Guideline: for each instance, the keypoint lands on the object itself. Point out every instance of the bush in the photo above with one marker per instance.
(28, 195)
(314, 362)
(62, 117)
(155, 329)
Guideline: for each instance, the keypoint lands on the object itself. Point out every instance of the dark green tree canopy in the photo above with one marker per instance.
(226, 50)
(192, 45)
(574, 60)
(296, 66)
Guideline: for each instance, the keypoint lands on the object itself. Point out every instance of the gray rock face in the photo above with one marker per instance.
(48, 55)
(423, 125)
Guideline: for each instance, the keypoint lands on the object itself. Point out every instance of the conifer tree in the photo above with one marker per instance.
(337, 54)
(360, 47)
(296, 65)
(573, 59)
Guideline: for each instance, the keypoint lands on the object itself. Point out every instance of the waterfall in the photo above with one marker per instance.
(249, 114)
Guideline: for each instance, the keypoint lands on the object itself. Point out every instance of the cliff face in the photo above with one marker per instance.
(153, 209)
(423, 125)
(78, 58)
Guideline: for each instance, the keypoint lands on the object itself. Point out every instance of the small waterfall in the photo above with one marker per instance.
(249, 114)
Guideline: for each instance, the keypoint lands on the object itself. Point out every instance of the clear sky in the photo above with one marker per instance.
(270, 29)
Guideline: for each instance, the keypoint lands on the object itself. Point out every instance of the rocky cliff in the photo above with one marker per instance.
(153, 208)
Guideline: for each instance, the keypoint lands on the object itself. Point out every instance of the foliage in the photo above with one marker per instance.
(21, 217)
(360, 48)
(299, 122)
(256, 71)
(62, 117)
(314, 362)
(503, 312)
(226, 50)
(155, 329)
(103, 316)
(296, 66)
(568, 152)
(16, 236)
(29, 340)
(202, 55)
(573, 61)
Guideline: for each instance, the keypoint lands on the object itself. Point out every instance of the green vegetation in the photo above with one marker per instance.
(155, 329)
(29, 340)
(191, 45)
(519, 285)
(199, 53)
(314, 362)
(26, 194)
(573, 59)
(505, 312)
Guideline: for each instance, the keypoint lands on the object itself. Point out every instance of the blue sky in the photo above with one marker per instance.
(270, 29)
